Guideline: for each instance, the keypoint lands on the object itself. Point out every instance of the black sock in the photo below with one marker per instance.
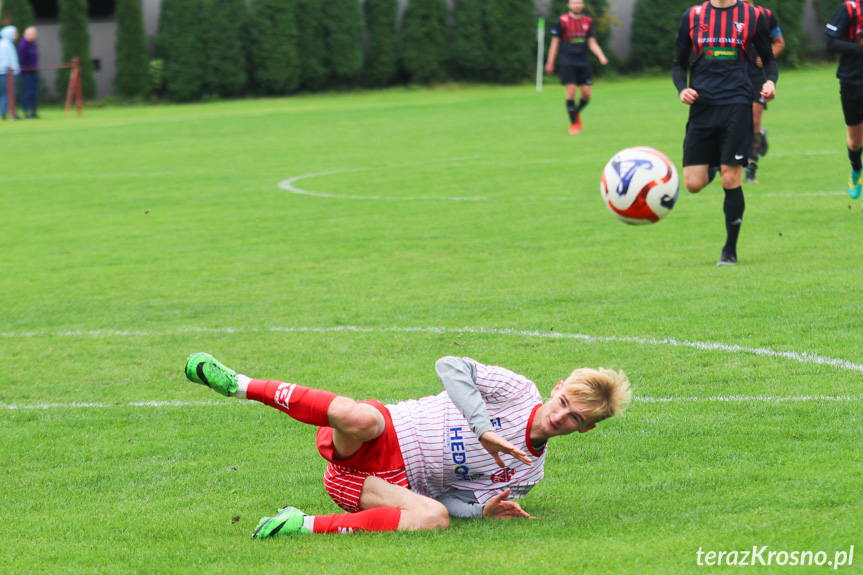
(570, 108)
(856, 164)
(582, 104)
(733, 208)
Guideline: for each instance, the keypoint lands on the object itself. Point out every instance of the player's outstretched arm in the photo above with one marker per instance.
(597, 51)
(495, 444)
(498, 507)
(552, 55)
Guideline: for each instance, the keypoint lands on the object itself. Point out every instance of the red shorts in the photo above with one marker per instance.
(380, 457)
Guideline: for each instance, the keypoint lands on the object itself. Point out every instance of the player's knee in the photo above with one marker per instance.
(436, 516)
(359, 420)
(730, 181)
(694, 184)
(854, 143)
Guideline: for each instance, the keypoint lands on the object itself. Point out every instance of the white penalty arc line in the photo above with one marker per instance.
(801, 357)
(637, 399)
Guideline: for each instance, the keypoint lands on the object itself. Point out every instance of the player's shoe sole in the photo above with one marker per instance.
(288, 521)
(203, 368)
(727, 260)
(855, 186)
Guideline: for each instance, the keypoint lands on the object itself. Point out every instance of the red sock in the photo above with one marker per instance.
(302, 403)
(377, 519)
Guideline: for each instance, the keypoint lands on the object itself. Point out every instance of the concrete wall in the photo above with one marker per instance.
(102, 37)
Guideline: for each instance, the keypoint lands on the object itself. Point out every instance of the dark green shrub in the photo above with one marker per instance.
(424, 48)
(19, 13)
(131, 78)
(511, 27)
(221, 34)
(468, 56)
(272, 38)
(311, 44)
(180, 45)
(75, 39)
(343, 25)
(381, 58)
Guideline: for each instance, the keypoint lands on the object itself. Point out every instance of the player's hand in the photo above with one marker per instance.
(549, 68)
(603, 60)
(768, 90)
(499, 508)
(758, 62)
(688, 96)
(495, 444)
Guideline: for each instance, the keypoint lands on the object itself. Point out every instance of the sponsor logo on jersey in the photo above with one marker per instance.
(458, 455)
(503, 475)
(720, 53)
(283, 394)
(577, 40)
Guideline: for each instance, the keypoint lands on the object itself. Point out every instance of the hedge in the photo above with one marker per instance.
(132, 78)
(381, 59)
(468, 56)
(180, 45)
(424, 40)
(343, 25)
(311, 44)
(272, 45)
(511, 26)
(75, 39)
(223, 23)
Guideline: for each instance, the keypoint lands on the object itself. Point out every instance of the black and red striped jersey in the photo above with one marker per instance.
(573, 33)
(717, 42)
(847, 25)
(775, 31)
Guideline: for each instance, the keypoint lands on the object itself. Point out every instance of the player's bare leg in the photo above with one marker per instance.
(353, 424)
(854, 142)
(695, 178)
(757, 143)
(418, 512)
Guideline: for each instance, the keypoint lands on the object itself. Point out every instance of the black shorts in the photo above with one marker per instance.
(757, 84)
(718, 134)
(852, 103)
(578, 75)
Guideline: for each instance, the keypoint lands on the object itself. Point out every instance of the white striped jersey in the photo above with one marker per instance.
(442, 453)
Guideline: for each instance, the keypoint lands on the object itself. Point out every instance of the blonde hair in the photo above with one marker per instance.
(605, 392)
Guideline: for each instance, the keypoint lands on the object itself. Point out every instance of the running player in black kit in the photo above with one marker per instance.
(844, 36)
(573, 35)
(717, 35)
(759, 106)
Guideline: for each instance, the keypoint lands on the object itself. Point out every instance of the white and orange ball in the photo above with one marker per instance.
(639, 185)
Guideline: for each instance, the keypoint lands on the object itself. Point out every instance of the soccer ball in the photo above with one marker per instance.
(639, 185)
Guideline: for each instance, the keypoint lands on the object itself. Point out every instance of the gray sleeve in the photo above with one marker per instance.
(461, 503)
(458, 376)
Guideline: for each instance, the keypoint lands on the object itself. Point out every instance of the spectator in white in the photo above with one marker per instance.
(8, 61)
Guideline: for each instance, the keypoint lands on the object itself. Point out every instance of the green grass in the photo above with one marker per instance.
(132, 237)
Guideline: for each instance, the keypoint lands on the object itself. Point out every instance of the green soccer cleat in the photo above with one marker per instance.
(288, 522)
(204, 369)
(854, 184)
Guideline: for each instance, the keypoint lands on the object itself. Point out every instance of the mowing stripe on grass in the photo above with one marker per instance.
(712, 399)
(801, 357)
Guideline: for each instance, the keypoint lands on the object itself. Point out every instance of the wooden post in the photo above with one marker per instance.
(79, 105)
(10, 92)
(74, 89)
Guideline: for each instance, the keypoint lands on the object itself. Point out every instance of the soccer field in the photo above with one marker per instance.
(346, 241)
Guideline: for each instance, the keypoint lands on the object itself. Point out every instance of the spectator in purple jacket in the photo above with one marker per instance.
(28, 57)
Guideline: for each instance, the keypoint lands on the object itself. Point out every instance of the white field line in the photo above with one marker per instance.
(801, 357)
(645, 399)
